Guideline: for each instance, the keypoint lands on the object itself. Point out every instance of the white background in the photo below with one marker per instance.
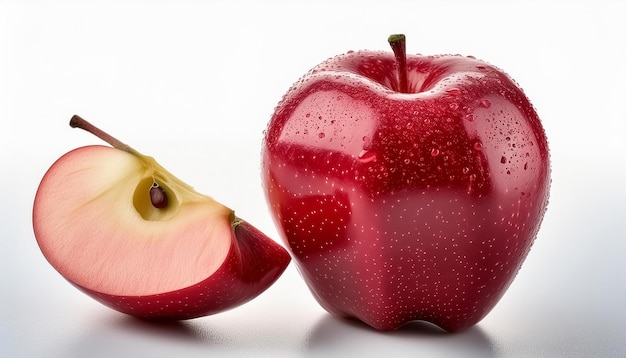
(194, 84)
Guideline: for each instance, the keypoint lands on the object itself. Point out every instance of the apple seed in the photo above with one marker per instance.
(158, 196)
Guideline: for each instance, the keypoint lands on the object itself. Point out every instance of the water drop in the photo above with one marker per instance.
(407, 161)
(454, 106)
(321, 135)
(367, 156)
(434, 152)
(478, 145)
(503, 160)
(469, 117)
(466, 170)
(525, 166)
(485, 103)
(308, 115)
(454, 91)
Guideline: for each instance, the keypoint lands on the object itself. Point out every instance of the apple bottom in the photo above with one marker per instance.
(428, 257)
(253, 263)
(402, 312)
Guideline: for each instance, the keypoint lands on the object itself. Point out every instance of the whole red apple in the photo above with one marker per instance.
(407, 187)
(127, 232)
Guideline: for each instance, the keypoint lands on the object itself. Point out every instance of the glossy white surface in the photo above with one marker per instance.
(194, 84)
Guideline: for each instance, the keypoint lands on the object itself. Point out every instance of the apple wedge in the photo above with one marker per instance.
(124, 230)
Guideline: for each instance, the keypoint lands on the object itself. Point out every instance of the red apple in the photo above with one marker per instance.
(407, 187)
(124, 230)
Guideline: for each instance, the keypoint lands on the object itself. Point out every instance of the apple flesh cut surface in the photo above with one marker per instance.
(407, 187)
(124, 230)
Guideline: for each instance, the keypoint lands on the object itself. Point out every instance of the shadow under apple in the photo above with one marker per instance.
(332, 334)
(123, 334)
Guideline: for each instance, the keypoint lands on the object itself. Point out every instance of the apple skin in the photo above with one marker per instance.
(407, 206)
(243, 265)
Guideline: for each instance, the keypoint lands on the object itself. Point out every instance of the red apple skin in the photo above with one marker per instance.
(407, 206)
(253, 264)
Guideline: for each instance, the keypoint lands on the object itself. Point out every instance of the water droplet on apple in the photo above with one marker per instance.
(434, 152)
(485, 103)
(407, 161)
(503, 160)
(466, 170)
(454, 106)
(367, 156)
(469, 117)
(308, 115)
(526, 166)
(470, 185)
(478, 145)
(481, 67)
(321, 135)
(453, 91)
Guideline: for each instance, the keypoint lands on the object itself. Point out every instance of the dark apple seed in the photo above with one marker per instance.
(158, 196)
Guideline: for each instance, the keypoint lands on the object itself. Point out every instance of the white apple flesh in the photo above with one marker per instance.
(99, 224)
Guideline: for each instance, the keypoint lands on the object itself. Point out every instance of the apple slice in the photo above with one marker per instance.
(127, 232)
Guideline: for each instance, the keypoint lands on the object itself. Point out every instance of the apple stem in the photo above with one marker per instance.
(79, 122)
(398, 45)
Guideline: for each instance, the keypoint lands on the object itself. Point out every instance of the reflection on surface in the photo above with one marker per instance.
(332, 335)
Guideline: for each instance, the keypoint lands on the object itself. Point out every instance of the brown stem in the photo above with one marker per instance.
(79, 122)
(398, 45)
